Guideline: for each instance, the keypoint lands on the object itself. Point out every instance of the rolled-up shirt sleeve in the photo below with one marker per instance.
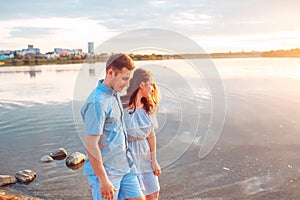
(93, 116)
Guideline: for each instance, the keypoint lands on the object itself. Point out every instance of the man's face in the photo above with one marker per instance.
(120, 79)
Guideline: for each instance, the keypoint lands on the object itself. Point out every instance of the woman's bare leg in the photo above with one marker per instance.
(153, 196)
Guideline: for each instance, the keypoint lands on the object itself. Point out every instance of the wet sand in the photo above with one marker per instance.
(238, 172)
(257, 155)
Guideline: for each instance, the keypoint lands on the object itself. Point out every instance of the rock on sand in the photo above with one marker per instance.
(75, 159)
(46, 158)
(25, 176)
(7, 179)
(60, 154)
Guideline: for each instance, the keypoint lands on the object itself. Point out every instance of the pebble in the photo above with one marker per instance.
(75, 159)
(25, 176)
(225, 168)
(60, 154)
(7, 179)
(46, 158)
(9, 197)
(4, 196)
(76, 166)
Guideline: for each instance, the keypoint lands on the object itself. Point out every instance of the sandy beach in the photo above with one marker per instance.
(239, 172)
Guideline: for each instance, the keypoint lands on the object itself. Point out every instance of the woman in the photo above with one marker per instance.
(140, 105)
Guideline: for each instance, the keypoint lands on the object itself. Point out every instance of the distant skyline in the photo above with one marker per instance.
(216, 25)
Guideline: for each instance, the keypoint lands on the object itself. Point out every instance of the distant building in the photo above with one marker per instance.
(31, 50)
(6, 54)
(50, 55)
(91, 47)
(66, 52)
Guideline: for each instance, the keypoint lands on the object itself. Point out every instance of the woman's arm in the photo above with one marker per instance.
(152, 144)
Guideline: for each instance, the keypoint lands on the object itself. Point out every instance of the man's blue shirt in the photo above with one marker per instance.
(102, 114)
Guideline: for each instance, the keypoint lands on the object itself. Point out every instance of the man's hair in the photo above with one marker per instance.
(118, 61)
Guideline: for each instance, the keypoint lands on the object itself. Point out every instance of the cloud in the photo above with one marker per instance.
(202, 19)
(206, 17)
(189, 18)
(50, 33)
(19, 9)
(31, 32)
(150, 39)
(251, 42)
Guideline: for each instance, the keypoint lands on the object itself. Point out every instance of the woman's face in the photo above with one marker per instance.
(147, 88)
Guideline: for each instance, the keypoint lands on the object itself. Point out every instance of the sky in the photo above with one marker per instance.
(215, 25)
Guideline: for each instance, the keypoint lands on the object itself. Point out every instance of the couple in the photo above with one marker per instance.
(119, 137)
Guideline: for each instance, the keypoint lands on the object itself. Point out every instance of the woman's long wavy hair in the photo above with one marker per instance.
(129, 100)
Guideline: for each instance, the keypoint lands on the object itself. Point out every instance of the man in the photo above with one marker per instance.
(109, 170)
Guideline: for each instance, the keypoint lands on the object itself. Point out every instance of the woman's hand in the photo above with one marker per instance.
(156, 168)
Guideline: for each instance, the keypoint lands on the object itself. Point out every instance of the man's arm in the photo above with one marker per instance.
(106, 187)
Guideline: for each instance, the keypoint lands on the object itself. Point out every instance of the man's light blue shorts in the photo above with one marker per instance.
(127, 186)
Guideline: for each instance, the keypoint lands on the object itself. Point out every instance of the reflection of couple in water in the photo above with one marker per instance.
(119, 133)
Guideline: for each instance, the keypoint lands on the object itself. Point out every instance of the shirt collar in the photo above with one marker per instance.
(105, 88)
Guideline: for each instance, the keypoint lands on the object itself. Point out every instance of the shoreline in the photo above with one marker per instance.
(135, 57)
(75, 58)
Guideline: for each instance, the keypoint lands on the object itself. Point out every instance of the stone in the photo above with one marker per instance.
(7, 179)
(75, 160)
(25, 176)
(75, 167)
(60, 154)
(11, 196)
(46, 158)
(4, 196)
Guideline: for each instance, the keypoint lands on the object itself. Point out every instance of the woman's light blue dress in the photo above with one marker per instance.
(138, 126)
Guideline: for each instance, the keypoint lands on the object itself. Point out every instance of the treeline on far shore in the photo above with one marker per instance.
(54, 61)
(71, 60)
(292, 53)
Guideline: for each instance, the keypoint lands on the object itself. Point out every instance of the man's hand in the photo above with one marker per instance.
(106, 187)
(107, 190)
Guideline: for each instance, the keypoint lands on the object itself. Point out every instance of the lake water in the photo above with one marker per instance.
(244, 125)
